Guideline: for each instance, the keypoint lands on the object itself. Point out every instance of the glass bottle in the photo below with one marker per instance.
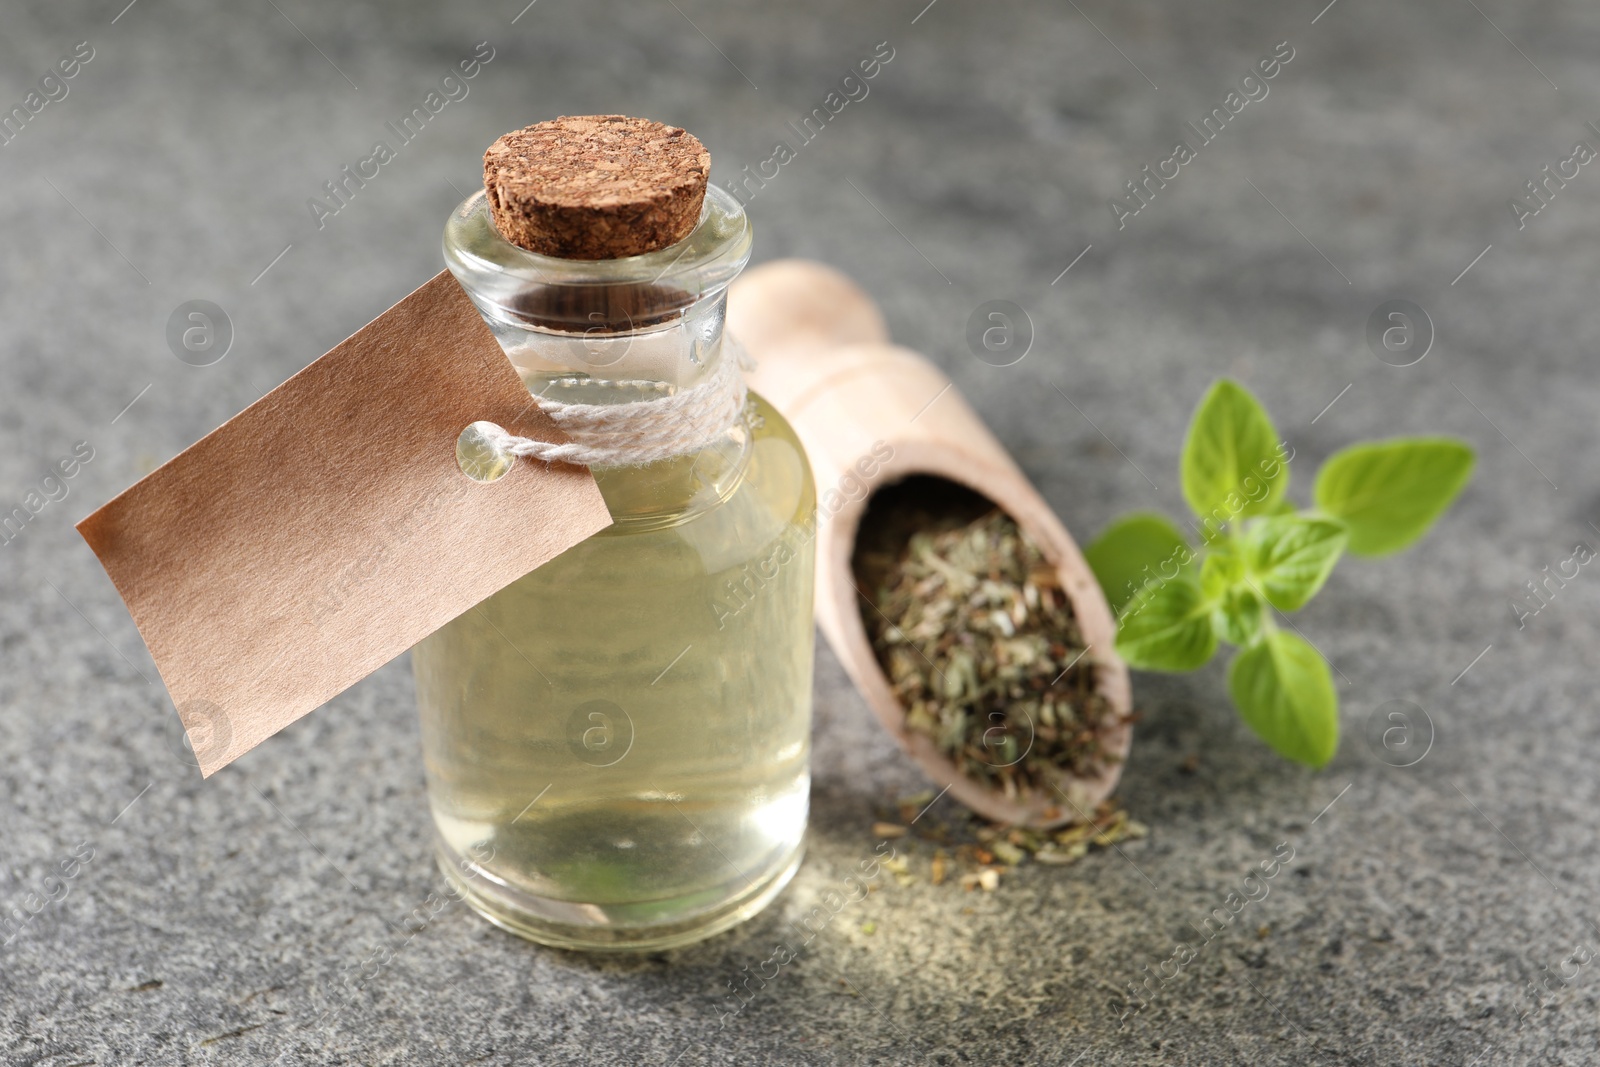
(617, 744)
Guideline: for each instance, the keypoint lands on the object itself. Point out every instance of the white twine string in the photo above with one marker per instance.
(642, 431)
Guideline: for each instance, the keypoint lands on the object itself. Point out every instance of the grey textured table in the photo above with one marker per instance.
(273, 909)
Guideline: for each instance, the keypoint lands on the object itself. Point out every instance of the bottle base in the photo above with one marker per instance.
(587, 927)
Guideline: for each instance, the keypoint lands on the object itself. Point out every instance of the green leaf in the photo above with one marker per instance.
(1389, 492)
(1236, 610)
(1285, 693)
(1220, 571)
(1132, 551)
(1291, 556)
(1232, 465)
(1167, 627)
(1237, 617)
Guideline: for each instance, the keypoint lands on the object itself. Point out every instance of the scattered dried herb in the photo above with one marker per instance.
(976, 853)
(979, 641)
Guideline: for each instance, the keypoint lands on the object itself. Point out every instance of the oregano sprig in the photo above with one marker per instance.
(1254, 555)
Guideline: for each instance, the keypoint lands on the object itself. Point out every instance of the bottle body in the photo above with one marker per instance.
(617, 744)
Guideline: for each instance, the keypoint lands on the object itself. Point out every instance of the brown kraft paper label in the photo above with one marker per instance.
(327, 528)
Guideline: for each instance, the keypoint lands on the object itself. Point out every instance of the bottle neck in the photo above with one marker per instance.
(617, 362)
(604, 331)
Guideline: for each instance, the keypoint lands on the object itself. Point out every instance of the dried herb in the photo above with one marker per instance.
(975, 853)
(979, 641)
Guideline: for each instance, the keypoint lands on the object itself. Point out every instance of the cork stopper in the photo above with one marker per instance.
(596, 186)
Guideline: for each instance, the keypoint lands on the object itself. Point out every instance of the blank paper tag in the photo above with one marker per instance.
(327, 528)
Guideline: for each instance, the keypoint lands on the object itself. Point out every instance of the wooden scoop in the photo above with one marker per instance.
(880, 422)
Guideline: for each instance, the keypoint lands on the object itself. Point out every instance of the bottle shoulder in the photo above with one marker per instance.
(775, 428)
(759, 463)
